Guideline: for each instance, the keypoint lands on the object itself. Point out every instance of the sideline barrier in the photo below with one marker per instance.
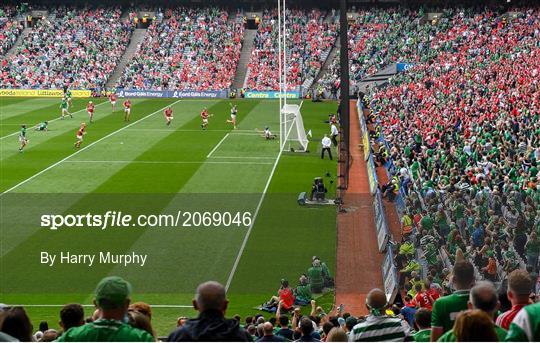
(372, 175)
(365, 141)
(389, 270)
(138, 93)
(399, 201)
(271, 95)
(45, 93)
(390, 278)
(383, 233)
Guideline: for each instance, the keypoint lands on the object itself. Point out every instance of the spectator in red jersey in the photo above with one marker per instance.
(519, 287)
(422, 299)
(285, 297)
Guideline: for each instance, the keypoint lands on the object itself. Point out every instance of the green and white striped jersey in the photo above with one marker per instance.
(526, 325)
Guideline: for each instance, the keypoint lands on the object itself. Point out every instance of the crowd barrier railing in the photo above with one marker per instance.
(389, 270)
(399, 200)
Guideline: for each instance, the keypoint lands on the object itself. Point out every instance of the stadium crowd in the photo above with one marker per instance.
(10, 28)
(195, 49)
(73, 47)
(379, 37)
(463, 131)
(310, 38)
(460, 137)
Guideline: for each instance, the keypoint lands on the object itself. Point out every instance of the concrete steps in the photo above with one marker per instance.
(136, 38)
(245, 55)
(26, 31)
(379, 78)
(328, 62)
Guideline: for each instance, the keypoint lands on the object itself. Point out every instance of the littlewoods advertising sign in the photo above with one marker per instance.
(49, 93)
(271, 95)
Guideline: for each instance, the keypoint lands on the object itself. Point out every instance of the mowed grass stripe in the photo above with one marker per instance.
(11, 100)
(72, 178)
(20, 106)
(281, 235)
(120, 240)
(48, 110)
(57, 127)
(16, 168)
(285, 233)
(167, 162)
(212, 187)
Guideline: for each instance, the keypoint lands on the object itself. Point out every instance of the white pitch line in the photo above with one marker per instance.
(217, 146)
(246, 157)
(248, 233)
(83, 149)
(52, 120)
(195, 130)
(91, 305)
(169, 162)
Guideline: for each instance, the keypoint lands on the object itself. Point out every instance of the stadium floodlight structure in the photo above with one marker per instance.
(292, 135)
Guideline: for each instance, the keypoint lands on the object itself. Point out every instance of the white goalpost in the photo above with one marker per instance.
(292, 135)
(295, 138)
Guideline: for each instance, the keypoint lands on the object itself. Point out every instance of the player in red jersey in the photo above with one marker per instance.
(127, 109)
(90, 110)
(112, 99)
(204, 117)
(168, 115)
(80, 133)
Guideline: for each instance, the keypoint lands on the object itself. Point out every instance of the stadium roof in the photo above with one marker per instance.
(256, 4)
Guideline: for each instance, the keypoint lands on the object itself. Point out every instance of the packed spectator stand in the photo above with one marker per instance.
(10, 28)
(379, 37)
(310, 37)
(73, 47)
(190, 49)
(462, 132)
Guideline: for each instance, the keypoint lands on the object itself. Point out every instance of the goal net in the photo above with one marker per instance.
(294, 136)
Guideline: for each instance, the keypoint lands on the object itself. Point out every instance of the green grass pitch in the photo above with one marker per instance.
(145, 167)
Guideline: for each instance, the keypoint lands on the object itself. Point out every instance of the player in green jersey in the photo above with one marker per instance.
(68, 97)
(64, 106)
(234, 112)
(22, 138)
(44, 126)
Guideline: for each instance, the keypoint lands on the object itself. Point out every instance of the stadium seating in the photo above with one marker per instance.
(464, 129)
(387, 35)
(10, 28)
(188, 49)
(310, 40)
(76, 47)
